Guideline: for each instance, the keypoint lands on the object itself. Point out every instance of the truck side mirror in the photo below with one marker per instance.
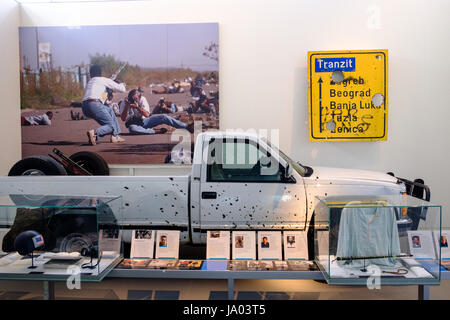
(288, 171)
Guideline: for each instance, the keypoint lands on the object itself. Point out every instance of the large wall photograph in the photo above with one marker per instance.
(119, 91)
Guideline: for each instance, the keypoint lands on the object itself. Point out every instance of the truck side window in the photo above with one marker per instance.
(241, 161)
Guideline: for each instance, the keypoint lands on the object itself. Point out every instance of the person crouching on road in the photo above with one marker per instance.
(136, 113)
(94, 108)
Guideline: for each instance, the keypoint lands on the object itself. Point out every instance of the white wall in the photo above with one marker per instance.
(263, 50)
(10, 139)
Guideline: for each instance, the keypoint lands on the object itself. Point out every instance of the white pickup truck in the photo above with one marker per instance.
(237, 181)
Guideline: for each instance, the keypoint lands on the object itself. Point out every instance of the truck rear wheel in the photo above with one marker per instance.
(92, 162)
(37, 166)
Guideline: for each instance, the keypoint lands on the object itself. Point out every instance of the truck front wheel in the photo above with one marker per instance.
(92, 162)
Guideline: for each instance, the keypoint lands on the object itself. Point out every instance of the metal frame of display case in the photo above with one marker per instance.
(230, 276)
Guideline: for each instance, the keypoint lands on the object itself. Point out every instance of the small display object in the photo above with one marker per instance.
(237, 265)
(162, 264)
(261, 265)
(133, 264)
(295, 245)
(218, 245)
(244, 245)
(72, 234)
(269, 245)
(167, 244)
(361, 238)
(190, 264)
(301, 265)
(280, 265)
(215, 265)
(142, 244)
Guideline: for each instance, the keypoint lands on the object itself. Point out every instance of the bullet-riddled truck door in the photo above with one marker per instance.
(244, 186)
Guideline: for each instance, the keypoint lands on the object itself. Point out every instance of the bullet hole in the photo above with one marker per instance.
(224, 216)
(165, 194)
(231, 204)
(260, 191)
(193, 207)
(173, 206)
(326, 194)
(176, 212)
(171, 179)
(331, 125)
(337, 76)
(167, 221)
(126, 187)
(212, 205)
(127, 204)
(142, 187)
(317, 178)
(237, 200)
(181, 190)
(161, 209)
(377, 99)
(174, 198)
(245, 184)
(250, 215)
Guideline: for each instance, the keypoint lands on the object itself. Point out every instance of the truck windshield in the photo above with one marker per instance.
(297, 167)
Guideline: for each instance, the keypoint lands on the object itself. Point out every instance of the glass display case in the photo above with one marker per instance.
(57, 237)
(385, 240)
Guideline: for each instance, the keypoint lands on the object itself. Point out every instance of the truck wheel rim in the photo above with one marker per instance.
(33, 172)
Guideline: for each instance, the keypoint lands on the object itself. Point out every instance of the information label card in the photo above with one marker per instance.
(142, 244)
(295, 245)
(167, 244)
(441, 242)
(421, 244)
(244, 246)
(269, 245)
(218, 245)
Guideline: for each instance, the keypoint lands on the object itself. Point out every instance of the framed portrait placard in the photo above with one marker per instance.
(110, 240)
(243, 245)
(295, 245)
(218, 245)
(441, 242)
(269, 245)
(421, 244)
(167, 244)
(142, 244)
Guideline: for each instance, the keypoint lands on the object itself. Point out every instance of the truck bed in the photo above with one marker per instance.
(157, 201)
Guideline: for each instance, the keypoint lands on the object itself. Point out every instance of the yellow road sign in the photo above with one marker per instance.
(347, 93)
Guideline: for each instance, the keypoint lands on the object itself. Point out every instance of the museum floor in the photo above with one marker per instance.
(176, 289)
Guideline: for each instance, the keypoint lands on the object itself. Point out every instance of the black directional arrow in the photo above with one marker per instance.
(320, 103)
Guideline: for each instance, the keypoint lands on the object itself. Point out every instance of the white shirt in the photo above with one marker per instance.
(96, 88)
(39, 120)
(133, 112)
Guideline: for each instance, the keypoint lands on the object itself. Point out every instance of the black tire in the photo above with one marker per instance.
(37, 165)
(92, 162)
